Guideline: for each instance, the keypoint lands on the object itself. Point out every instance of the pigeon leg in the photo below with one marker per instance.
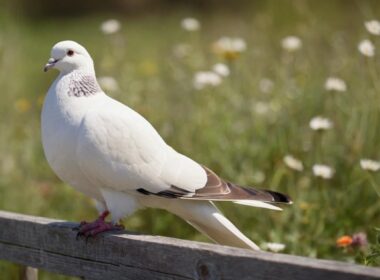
(101, 217)
(99, 225)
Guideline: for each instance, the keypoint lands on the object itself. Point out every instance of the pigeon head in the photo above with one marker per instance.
(67, 56)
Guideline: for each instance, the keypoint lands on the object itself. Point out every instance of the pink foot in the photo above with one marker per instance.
(99, 225)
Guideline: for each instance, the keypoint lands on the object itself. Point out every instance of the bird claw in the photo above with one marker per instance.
(97, 227)
(92, 229)
(78, 235)
(82, 223)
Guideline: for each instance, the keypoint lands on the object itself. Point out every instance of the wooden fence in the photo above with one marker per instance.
(51, 245)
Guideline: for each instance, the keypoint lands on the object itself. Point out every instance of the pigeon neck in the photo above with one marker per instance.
(82, 71)
(80, 83)
(87, 69)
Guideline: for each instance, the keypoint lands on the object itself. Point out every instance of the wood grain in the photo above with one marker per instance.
(51, 245)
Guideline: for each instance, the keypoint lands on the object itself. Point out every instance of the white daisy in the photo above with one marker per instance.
(229, 48)
(258, 177)
(291, 43)
(182, 50)
(335, 84)
(266, 85)
(110, 26)
(370, 165)
(366, 48)
(203, 79)
(293, 163)
(275, 247)
(323, 171)
(221, 69)
(373, 27)
(320, 123)
(261, 108)
(108, 83)
(190, 24)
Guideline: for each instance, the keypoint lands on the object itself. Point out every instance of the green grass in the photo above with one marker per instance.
(216, 126)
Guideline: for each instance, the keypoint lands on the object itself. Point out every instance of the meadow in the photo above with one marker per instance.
(250, 121)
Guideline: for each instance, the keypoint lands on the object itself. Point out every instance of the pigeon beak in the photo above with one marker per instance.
(50, 64)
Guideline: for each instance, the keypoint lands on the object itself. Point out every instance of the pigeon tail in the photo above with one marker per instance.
(206, 218)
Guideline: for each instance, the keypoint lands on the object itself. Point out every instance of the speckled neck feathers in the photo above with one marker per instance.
(83, 84)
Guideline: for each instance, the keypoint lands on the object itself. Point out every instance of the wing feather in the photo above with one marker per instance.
(217, 189)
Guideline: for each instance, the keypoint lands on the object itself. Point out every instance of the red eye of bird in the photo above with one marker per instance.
(70, 52)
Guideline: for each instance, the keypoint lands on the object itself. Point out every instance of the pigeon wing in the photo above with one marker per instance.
(217, 189)
(121, 150)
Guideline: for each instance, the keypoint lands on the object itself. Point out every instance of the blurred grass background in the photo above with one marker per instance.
(221, 126)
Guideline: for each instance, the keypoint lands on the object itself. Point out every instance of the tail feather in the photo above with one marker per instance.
(256, 203)
(223, 232)
(205, 217)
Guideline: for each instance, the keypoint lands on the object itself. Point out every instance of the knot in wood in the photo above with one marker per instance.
(207, 271)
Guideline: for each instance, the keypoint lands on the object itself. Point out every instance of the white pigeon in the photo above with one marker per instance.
(112, 154)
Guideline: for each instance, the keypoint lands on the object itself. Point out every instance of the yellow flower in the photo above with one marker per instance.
(22, 105)
(148, 68)
(305, 206)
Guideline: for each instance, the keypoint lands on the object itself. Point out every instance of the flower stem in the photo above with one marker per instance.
(374, 185)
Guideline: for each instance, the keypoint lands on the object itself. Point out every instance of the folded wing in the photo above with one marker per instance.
(124, 152)
(217, 189)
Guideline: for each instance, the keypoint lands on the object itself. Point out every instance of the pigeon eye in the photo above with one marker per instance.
(70, 52)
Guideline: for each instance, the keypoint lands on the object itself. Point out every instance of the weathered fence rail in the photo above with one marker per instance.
(51, 245)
